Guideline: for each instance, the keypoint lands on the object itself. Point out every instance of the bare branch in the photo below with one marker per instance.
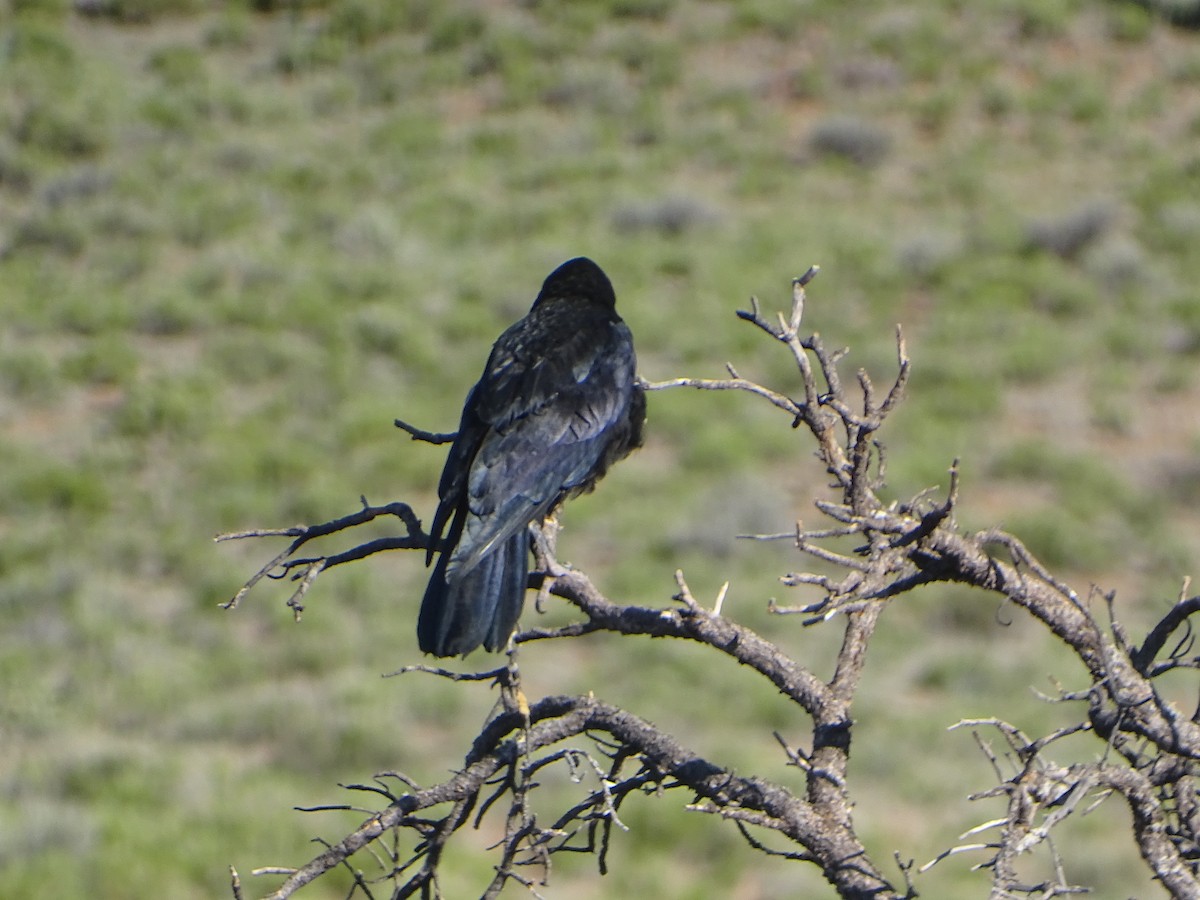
(1176, 618)
(428, 437)
(1146, 750)
(728, 384)
(416, 539)
(555, 719)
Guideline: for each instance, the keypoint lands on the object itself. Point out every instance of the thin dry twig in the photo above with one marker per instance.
(283, 562)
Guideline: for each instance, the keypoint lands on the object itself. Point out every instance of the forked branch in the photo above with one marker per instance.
(1146, 752)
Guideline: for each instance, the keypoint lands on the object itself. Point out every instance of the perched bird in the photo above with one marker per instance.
(558, 403)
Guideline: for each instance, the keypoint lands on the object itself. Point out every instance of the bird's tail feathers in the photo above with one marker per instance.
(462, 610)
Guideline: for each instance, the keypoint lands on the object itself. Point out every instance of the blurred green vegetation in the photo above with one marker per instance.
(237, 240)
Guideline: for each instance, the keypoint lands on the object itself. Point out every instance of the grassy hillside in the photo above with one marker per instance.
(238, 239)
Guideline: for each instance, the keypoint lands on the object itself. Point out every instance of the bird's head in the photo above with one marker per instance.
(578, 278)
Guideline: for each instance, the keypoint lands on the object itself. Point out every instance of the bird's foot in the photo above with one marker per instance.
(545, 538)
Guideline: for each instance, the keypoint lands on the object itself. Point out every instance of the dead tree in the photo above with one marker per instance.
(1146, 749)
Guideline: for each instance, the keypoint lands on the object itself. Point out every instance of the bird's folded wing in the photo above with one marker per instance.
(520, 472)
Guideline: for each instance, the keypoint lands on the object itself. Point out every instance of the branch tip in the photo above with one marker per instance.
(427, 437)
(803, 280)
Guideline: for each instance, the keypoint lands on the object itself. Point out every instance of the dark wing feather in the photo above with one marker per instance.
(452, 486)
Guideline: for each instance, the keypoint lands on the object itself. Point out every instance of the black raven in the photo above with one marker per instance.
(557, 404)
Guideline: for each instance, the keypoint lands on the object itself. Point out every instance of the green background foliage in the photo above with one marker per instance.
(238, 239)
